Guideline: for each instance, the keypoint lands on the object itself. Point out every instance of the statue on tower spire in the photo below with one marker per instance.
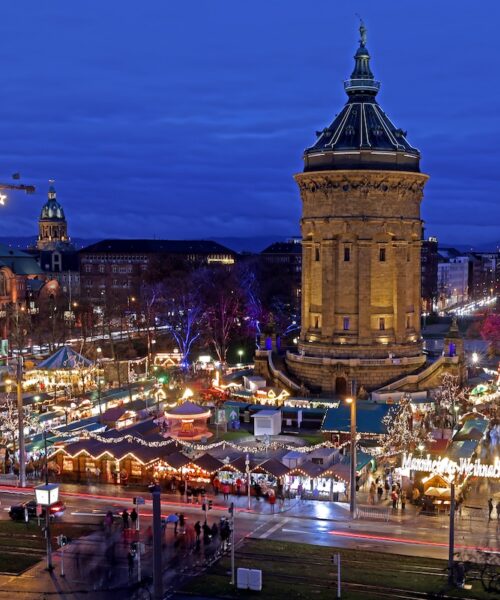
(362, 32)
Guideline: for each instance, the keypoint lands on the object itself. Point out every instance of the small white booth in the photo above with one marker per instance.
(267, 422)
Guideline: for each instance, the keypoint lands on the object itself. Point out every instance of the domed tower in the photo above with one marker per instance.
(52, 226)
(361, 229)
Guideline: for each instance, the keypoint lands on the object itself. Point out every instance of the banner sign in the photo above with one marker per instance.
(443, 465)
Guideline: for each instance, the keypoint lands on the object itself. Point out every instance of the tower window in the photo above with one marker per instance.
(381, 254)
(346, 323)
(316, 323)
(381, 324)
(347, 254)
(408, 322)
(317, 255)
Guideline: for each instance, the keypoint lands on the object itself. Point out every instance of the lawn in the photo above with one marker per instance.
(230, 436)
(301, 571)
(22, 546)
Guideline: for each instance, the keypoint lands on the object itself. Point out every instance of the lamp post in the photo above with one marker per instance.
(47, 495)
(20, 420)
(247, 469)
(99, 353)
(157, 546)
(451, 540)
(352, 498)
(240, 355)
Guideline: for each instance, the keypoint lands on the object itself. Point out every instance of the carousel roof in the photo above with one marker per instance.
(188, 409)
(64, 358)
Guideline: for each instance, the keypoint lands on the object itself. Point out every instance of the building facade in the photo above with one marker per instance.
(361, 233)
(118, 266)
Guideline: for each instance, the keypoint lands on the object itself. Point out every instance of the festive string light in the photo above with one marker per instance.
(195, 447)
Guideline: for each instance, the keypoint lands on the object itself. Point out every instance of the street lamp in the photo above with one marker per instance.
(240, 354)
(99, 353)
(352, 498)
(20, 420)
(47, 495)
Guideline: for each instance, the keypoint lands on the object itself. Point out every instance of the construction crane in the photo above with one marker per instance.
(29, 189)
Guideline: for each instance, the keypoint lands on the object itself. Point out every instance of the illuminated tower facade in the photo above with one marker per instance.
(361, 190)
(52, 225)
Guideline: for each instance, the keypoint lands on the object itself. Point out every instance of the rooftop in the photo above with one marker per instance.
(137, 246)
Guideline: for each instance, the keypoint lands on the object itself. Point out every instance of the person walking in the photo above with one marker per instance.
(380, 492)
(490, 508)
(387, 487)
(176, 524)
(272, 502)
(394, 498)
(207, 533)
(125, 519)
(197, 530)
(130, 562)
(238, 487)
(182, 523)
(133, 518)
(371, 493)
(225, 491)
(403, 500)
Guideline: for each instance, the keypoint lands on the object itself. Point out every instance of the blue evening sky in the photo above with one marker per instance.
(188, 119)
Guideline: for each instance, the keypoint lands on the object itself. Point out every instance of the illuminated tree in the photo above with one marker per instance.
(449, 398)
(490, 331)
(9, 424)
(403, 435)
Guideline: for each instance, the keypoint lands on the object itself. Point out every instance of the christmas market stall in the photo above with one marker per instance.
(305, 481)
(270, 477)
(118, 462)
(65, 370)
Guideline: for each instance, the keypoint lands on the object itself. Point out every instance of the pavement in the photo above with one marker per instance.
(97, 563)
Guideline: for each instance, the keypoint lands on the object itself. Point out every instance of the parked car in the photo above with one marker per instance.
(17, 511)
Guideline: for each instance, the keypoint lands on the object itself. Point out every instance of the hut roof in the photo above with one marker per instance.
(208, 463)
(308, 468)
(176, 460)
(272, 466)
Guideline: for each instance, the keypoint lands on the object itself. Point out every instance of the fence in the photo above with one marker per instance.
(380, 514)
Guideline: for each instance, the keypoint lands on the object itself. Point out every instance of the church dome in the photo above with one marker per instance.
(52, 210)
(362, 136)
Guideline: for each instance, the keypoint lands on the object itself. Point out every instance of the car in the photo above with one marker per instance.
(17, 511)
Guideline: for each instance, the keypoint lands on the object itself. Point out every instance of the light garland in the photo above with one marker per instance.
(195, 447)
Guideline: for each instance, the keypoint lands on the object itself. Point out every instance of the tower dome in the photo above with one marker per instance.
(362, 136)
(52, 226)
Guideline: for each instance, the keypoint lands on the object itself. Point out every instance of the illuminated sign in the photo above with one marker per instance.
(443, 465)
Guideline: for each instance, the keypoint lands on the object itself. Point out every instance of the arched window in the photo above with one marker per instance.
(3, 284)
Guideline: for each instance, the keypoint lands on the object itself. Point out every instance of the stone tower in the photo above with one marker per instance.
(361, 230)
(52, 225)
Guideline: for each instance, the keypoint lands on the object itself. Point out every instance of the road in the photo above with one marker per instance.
(309, 523)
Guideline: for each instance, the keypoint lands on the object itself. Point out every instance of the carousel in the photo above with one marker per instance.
(188, 421)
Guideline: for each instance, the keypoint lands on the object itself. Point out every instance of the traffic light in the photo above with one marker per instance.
(210, 504)
(62, 540)
(203, 507)
(230, 510)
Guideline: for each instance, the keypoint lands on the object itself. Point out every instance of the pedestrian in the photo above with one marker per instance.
(387, 487)
(371, 493)
(498, 510)
(394, 498)
(216, 485)
(130, 562)
(215, 530)
(380, 492)
(207, 533)
(272, 501)
(176, 523)
(125, 519)
(490, 508)
(133, 518)
(225, 491)
(403, 500)
(238, 486)
(197, 530)
(182, 523)
(416, 496)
